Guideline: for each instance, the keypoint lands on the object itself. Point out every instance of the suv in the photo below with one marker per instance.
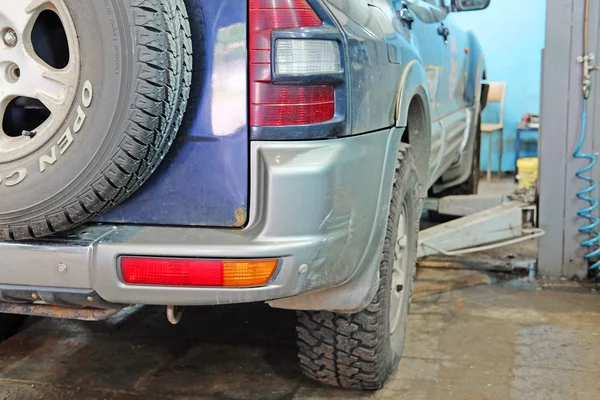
(204, 152)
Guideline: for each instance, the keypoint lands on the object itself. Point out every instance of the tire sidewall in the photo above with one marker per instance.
(91, 132)
(405, 193)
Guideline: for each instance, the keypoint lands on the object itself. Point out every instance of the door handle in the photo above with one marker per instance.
(444, 32)
(406, 16)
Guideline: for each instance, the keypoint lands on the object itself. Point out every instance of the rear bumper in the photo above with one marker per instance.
(322, 204)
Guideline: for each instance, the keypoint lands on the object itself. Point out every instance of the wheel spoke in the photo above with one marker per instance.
(3, 105)
(42, 82)
(403, 241)
(20, 15)
(34, 5)
(28, 75)
(399, 273)
(52, 89)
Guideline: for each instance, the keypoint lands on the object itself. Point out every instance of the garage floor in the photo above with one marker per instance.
(471, 336)
(484, 342)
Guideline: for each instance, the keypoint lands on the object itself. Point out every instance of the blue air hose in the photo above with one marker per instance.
(584, 194)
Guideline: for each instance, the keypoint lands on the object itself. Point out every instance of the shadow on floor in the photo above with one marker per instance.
(226, 352)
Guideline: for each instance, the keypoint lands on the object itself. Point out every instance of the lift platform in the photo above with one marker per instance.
(484, 222)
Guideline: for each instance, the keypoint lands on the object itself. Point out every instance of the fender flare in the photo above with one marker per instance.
(414, 84)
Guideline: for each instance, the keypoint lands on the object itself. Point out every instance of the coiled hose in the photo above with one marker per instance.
(584, 194)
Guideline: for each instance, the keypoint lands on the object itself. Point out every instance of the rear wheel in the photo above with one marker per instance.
(362, 350)
(9, 324)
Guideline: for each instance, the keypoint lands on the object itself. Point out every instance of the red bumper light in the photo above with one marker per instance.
(196, 272)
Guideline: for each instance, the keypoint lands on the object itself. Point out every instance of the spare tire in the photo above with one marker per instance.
(91, 96)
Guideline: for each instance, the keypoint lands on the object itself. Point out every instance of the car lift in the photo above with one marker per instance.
(486, 222)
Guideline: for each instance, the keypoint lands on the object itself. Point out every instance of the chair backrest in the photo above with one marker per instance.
(497, 94)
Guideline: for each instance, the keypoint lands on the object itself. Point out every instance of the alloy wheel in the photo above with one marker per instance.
(39, 72)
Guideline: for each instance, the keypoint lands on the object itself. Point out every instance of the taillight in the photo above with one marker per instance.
(278, 105)
(196, 272)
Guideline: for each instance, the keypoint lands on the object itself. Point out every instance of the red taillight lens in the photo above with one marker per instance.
(157, 271)
(196, 272)
(282, 105)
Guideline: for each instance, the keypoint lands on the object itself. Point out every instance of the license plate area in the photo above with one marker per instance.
(60, 261)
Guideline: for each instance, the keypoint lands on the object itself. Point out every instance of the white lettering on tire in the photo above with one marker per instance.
(15, 177)
(48, 159)
(79, 120)
(66, 139)
(87, 94)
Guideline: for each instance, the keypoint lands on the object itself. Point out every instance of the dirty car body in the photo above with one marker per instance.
(312, 196)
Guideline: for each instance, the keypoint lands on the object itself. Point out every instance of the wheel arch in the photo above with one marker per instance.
(414, 114)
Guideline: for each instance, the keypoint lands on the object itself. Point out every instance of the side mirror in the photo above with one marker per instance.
(470, 5)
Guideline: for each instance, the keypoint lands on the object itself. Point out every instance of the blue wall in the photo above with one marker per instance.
(512, 35)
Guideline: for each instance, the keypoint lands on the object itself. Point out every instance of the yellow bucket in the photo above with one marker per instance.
(528, 172)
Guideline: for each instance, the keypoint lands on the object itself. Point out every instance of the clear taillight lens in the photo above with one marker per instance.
(307, 57)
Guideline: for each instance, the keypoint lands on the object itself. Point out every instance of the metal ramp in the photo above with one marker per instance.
(486, 222)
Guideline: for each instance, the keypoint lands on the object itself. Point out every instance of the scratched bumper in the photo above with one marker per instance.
(314, 203)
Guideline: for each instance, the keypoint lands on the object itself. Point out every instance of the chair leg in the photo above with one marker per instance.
(489, 161)
(517, 150)
(501, 152)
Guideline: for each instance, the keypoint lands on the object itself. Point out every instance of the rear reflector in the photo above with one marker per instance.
(196, 272)
(303, 112)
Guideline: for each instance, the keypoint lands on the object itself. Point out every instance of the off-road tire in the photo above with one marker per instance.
(138, 56)
(355, 350)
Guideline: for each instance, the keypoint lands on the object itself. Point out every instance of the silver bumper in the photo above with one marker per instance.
(322, 204)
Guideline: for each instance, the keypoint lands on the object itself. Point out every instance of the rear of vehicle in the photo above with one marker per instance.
(213, 152)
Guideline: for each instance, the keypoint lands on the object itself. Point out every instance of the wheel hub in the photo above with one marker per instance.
(399, 295)
(39, 72)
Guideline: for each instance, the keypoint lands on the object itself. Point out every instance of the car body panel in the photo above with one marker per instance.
(454, 102)
(203, 180)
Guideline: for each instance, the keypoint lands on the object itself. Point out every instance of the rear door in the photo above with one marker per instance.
(454, 116)
(429, 46)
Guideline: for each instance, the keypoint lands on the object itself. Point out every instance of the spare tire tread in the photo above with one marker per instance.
(157, 151)
(164, 63)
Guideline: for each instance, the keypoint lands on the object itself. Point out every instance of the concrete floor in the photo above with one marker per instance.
(470, 336)
(501, 341)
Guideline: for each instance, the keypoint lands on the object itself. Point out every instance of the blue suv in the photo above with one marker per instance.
(202, 152)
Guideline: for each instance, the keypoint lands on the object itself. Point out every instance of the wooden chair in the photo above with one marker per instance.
(496, 94)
